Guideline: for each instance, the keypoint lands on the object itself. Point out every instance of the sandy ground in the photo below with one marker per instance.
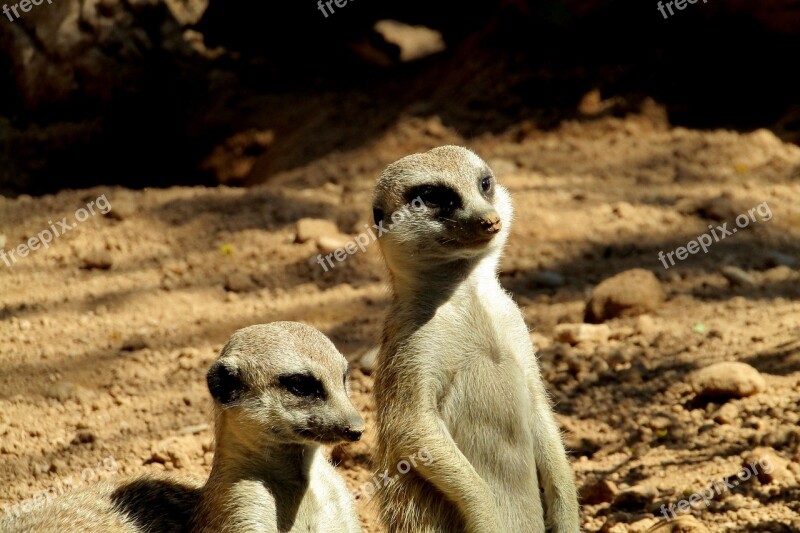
(105, 337)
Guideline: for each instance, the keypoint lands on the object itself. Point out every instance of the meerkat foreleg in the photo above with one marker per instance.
(560, 494)
(454, 476)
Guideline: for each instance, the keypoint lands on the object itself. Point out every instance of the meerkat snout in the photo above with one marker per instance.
(491, 223)
(354, 429)
(286, 381)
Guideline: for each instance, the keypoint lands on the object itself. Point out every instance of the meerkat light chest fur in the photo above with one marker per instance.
(280, 390)
(456, 371)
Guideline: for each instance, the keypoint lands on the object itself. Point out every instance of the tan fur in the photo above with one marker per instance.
(456, 372)
(268, 475)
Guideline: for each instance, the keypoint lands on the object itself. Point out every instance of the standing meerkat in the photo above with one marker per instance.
(280, 391)
(456, 372)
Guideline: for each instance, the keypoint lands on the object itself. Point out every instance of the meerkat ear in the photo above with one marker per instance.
(377, 215)
(225, 382)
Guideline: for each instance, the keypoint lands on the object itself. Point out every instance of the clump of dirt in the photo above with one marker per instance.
(106, 335)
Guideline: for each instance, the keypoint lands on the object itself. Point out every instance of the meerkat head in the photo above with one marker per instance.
(283, 382)
(439, 206)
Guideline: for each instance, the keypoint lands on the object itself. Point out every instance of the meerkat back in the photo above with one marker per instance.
(128, 505)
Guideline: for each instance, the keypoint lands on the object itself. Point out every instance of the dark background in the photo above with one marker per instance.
(150, 93)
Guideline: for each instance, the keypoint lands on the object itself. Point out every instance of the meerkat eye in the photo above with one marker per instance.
(303, 385)
(487, 184)
(437, 197)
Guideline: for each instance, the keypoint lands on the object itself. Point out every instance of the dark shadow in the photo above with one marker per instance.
(156, 504)
(781, 360)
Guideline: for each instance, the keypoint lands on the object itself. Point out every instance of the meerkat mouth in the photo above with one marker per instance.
(473, 241)
(326, 438)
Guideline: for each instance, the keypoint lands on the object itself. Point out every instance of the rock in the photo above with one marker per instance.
(575, 333)
(239, 282)
(730, 379)
(727, 414)
(308, 229)
(629, 293)
(603, 491)
(737, 276)
(414, 42)
(83, 436)
(660, 424)
(170, 453)
(330, 243)
(646, 326)
(158, 456)
(95, 49)
(783, 438)
(63, 391)
(232, 161)
(642, 526)
(98, 257)
(635, 498)
(59, 466)
(766, 465)
(194, 429)
(547, 278)
(680, 524)
(124, 206)
(135, 342)
(719, 208)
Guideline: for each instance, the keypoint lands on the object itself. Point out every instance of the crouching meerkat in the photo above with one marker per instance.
(456, 372)
(280, 391)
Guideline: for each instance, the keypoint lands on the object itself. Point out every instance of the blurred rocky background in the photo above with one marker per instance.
(160, 92)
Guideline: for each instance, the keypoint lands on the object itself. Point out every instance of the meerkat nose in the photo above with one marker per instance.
(354, 429)
(491, 223)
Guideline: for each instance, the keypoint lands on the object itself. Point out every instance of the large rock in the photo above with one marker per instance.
(766, 465)
(730, 379)
(603, 491)
(93, 48)
(308, 229)
(629, 293)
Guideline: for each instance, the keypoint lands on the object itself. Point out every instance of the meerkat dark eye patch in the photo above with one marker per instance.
(224, 383)
(377, 215)
(436, 197)
(303, 385)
